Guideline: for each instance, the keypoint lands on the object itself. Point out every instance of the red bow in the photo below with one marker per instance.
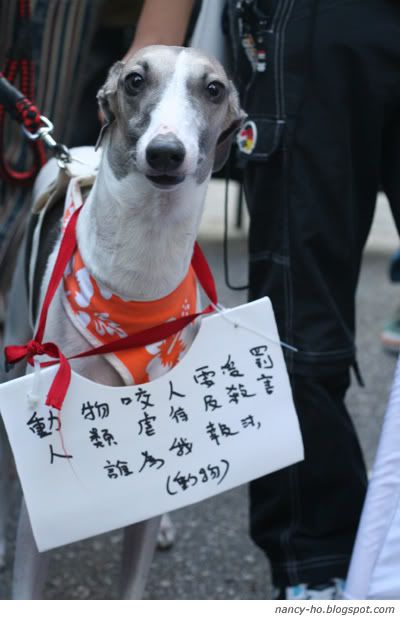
(60, 385)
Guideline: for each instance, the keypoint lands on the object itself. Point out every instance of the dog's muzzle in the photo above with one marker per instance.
(165, 155)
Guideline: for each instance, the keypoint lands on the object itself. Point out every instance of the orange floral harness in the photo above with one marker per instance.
(101, 316)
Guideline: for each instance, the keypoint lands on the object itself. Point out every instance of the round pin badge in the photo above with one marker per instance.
(247, 138)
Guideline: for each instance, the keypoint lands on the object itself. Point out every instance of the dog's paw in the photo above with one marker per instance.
(166, 533)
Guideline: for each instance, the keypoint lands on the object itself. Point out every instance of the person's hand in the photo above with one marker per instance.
(160, 23)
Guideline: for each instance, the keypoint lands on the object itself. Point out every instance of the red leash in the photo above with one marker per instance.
(17, 104)
(59, 387)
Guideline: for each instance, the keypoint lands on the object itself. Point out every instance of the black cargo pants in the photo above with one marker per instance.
(327, 111)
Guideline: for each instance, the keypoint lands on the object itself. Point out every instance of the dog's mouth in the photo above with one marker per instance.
(165, 181)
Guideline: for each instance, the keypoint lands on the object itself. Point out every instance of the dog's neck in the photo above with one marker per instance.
(135, 239)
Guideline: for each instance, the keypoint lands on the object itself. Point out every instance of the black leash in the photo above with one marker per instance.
(226, 240)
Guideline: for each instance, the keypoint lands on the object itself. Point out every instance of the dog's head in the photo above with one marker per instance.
(171, 114)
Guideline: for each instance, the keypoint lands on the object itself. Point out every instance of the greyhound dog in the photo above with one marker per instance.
(170, 116)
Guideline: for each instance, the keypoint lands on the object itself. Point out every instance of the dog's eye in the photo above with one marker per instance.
(215, 91)
(133, 83)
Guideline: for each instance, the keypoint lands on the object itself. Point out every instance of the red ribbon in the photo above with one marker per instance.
(60, 385)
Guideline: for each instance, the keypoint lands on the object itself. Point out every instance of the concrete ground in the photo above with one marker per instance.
(213, 557)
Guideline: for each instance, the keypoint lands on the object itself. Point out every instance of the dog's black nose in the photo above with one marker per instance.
(165, 153)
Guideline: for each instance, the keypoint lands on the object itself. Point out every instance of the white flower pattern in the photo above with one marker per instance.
(103, 324)
(85, 293)
(167, 353)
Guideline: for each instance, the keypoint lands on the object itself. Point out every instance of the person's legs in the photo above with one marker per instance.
(311, 207)
(305, 516)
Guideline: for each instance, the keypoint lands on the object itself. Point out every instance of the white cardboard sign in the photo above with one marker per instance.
(223, 416)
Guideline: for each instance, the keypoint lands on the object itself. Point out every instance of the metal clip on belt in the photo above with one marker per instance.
(60, 151)
(34, 125)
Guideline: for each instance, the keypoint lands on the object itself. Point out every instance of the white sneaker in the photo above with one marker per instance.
(332, 590)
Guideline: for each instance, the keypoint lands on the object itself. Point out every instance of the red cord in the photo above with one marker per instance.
(27, 112)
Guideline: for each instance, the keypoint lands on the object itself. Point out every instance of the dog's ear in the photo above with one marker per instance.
(235, 119)
(106, 98)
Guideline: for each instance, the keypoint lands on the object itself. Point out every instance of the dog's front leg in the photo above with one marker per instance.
(17, 330)
(138, 549)
(30, 566)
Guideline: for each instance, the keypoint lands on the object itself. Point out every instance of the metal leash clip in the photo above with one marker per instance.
(61, 152)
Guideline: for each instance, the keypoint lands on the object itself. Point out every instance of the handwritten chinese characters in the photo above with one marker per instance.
(95, 411)
(101, 438)
(183, 482)
(264, 361)
(43, 426)
(222, 389)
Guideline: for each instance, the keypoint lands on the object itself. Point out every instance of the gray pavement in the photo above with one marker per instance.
(213, 557)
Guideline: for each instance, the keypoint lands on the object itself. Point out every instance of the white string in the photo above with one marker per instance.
(221, 310)
(34, 395)
(92, 170)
